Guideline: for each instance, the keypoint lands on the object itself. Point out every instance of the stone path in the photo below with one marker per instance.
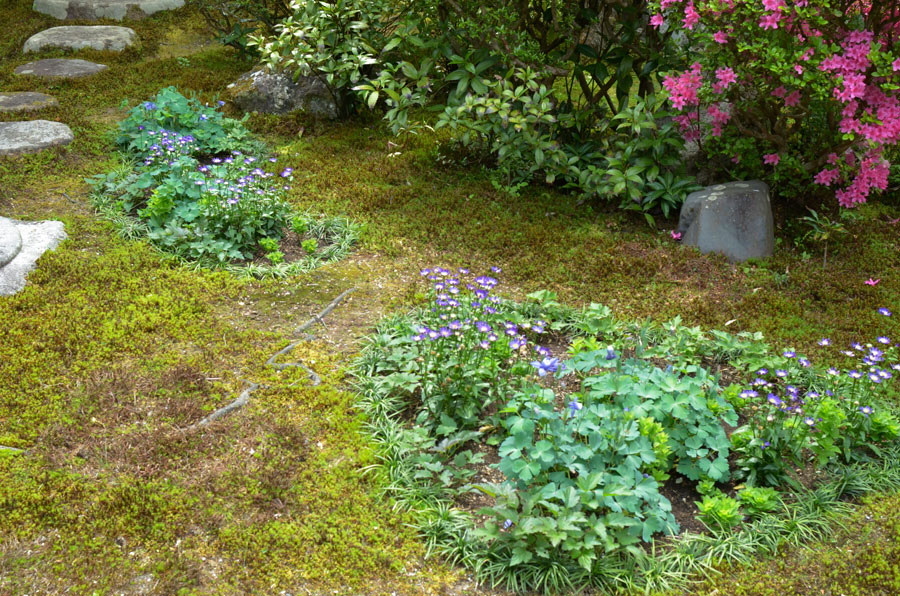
(91, 10)
(21, 245)
(97, 37)
(25, 101)
(60, 68)
(32, 136)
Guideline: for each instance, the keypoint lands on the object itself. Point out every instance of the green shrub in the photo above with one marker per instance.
(759, 500)
(236, 21)
(720, 513)
(170, 111)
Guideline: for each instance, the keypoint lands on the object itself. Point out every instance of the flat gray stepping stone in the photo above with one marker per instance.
(36, 238)
(24, 101)
(91, 10)
(60, 68)
(32, 136)
(77, 37)
(10, 241)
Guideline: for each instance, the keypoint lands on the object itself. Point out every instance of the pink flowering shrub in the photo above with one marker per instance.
(803, 93)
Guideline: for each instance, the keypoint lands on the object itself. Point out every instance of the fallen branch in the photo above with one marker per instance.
(314, 379)
(237, 404)
(325, 311)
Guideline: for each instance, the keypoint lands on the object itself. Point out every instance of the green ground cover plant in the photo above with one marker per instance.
(417, 211)
(582, 469)
(193, 181)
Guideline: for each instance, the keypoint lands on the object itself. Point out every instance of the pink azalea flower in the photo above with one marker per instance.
(793, 99)
(656, 20)
(770, 20)
(896, 65)
(771, 159)
(675, 235)
(736, 158)
(726, 76)
(798, 69)
(872, 282)
(722, 37)
(779, 91)
(691, 16)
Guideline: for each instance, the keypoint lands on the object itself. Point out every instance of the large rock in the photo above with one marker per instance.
(60, 68)
(32, 136)
(734, 219)
(77, 37)
(10, 241)
(25, 101)
(35, 238)
(92, 10)
(276, 93)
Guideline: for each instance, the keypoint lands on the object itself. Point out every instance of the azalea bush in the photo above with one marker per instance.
(802, 93)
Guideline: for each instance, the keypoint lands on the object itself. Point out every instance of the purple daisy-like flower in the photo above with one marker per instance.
(762, 371)
(850, 353)
(874, 377)
(496, 269)
(883, 340)
(809, 421)
(766, 444)
(857, 346)
(789, 354)
(803, 362)
(781, 373)
(455, 325)
(748, 393)
(885, 374)
(824, 342)
(516, 343)
(482, 326)
(866, 410)
(854, 374)
(774, 400)
(832, 371)
(432, 334)
(574, 406)
(445, 332)
(884, 311)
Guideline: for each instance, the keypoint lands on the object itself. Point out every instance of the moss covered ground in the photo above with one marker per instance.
(111, 353)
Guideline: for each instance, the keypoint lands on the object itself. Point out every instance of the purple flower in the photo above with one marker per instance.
(766, 444)
(884, 311)
(748, 393)
(857, 346)
(610, 353)
(866, 410)
(850, 353)
(547, 365)
(204, 117)
(874, 377)
(149, 106)
(507, 524)
(824, 342)
(854, 374)
(445, 332)
(780, 373)
(574, 406)
(789, 354)
(803, 361)
(482, 326)
(832, 371)
(809, 421)
(496, 269)
(221, 103)
(432, 334)
(774, 400)
(883, 340)
(516, 343)
(762, 371)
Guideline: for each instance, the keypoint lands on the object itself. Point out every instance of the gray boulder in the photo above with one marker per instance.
(21, 245)
(734, 219)
(277, 93)
(76, 37)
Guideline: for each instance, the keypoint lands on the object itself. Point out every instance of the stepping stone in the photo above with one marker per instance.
(32, 136)
(92, 10)
(24, 101)
(60, 68)
(22, 243)
(76, 37)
